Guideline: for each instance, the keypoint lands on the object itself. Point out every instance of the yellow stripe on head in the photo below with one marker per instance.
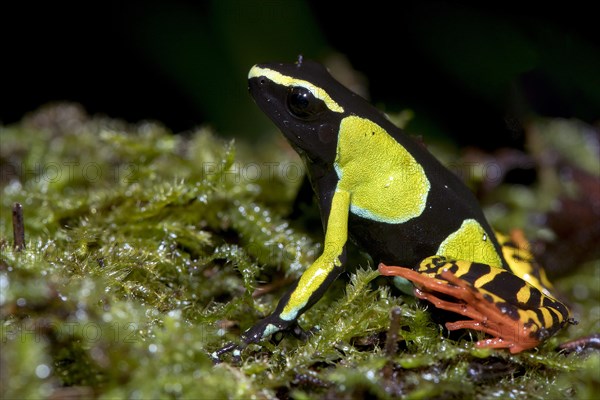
(290, 81)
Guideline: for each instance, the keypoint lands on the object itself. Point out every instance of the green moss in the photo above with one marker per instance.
(144, 249)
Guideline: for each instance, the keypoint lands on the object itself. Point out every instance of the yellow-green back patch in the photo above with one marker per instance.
(387, 184)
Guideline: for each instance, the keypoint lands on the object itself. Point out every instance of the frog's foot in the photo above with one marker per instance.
(483, 315)
(234, 348)
(270, 327)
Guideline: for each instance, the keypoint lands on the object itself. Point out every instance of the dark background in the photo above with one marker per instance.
(471, 73)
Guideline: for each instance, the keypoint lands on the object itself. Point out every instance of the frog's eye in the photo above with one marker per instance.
(303, 104)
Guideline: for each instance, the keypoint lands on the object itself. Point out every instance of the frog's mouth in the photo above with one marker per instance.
(270, 98)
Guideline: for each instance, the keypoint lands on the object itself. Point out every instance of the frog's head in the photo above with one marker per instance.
(305, 102)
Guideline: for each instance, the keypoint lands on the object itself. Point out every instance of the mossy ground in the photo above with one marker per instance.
(144, 252)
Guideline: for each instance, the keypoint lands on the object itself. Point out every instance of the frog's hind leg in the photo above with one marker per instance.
(464, 299)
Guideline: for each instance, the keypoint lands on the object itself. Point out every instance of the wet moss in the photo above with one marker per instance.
(144, 253)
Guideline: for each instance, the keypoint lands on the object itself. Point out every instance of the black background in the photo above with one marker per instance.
(90, 53)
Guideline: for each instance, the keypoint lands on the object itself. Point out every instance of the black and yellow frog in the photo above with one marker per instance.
(384, 191)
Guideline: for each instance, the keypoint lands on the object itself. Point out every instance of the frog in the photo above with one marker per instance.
(381, 189)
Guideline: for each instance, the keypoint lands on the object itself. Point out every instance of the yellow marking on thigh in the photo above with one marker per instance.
(470, 242)
(524, 294)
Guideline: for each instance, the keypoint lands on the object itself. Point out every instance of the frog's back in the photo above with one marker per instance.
(405, 205)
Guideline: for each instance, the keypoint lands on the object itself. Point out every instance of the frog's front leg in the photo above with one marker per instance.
(312, 284)
(497, 302)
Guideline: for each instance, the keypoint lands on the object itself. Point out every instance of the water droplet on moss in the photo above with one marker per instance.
(42, 371)
(81, 314)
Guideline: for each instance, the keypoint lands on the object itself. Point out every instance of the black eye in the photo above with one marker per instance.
(303, 104)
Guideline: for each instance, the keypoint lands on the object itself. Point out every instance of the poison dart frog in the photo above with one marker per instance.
(384, 191)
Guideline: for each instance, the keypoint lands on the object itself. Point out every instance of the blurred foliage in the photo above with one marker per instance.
(144, 253)
(208, 50)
